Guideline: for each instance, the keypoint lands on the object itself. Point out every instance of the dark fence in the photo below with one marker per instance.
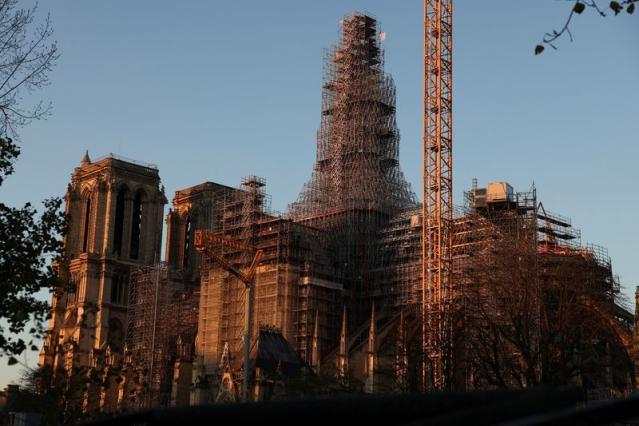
(531, 407)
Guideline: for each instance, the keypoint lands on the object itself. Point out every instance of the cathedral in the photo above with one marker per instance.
(335, 291)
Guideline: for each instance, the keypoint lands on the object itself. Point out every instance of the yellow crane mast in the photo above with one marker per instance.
(437, 191)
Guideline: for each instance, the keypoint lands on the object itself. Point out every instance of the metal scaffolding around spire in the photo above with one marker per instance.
(357, 184)
(357, 166)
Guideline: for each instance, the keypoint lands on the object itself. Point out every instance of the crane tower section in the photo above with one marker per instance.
(437, 209)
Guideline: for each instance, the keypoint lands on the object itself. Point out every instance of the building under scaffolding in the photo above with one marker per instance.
(292, 282)
(337, 283)
(356, 185)
(495, 225)
(340, 277)
(162, 319)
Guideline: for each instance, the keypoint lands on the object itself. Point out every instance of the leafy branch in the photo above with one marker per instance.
(578, 8)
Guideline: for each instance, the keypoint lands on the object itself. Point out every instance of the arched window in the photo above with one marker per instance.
(187, 241)
(119, 221)
(87, 224)
(118, 290)
(74, 288)
(136, 226)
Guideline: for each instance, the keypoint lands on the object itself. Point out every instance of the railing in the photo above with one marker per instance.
(128, 160)
(600, 254)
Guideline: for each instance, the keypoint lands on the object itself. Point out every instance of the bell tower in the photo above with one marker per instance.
(115, 209)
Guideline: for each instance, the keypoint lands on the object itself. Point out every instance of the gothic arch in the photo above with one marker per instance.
(188, 233)
(87, 191)
(137, 223)
(623, 336)
(619, 336)
(119, 289)
(87, 213)
(121, 194)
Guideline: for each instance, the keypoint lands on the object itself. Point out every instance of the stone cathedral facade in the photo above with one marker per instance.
(116, 212)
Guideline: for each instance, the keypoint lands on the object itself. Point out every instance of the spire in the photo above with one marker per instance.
(85, 159)
(371, 332)
(225, 358)
(342, 359)
(357, 163)
(401, 355)
(370, 355)
(315, 352)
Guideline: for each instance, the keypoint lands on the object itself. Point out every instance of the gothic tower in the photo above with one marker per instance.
(196, 208)
(115, 210)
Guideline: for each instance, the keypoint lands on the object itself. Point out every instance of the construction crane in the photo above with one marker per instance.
(437, 191)
(205, 242)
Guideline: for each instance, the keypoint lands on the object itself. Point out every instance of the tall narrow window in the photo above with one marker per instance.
(187, 241)
(87, 225)
(119, 221)
(124, 290)
(115, 290)
(119, 290)
(136, 226)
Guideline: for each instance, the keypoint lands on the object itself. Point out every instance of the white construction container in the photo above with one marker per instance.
(499, 192)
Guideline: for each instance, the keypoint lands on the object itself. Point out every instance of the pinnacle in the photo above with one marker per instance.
(85, 159)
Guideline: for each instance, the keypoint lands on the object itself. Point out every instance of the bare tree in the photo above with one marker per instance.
(500, 316)
(530, 318)
(27, 55)
(581, 340)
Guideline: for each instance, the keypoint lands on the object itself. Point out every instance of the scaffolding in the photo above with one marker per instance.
(293, 279)
(223, 301)
(162, 308)
(400, 242)
(357, 166)
(356, 237)
(356, 184)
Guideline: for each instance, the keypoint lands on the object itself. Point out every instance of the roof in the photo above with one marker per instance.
(272, 351)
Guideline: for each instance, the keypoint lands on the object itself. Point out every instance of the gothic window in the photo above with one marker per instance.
(187, 241)
(118, 290)
(119, 221)
(87, 224)
(136, 226)
(74, 284)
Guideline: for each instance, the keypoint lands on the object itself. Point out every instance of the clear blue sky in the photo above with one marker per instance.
(216, 90)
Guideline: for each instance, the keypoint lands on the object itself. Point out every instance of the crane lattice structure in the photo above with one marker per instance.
(437, 208)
